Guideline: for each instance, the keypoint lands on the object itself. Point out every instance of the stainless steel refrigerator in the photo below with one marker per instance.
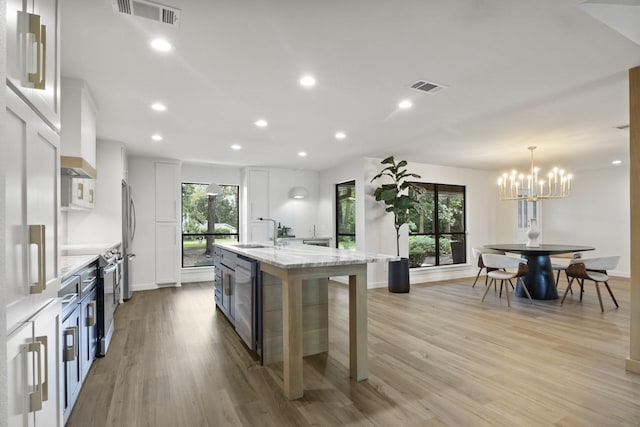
(128, 233)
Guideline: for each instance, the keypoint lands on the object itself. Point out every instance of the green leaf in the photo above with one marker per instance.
(388, 160)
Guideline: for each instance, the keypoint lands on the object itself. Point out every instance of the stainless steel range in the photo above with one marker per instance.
(109, 289)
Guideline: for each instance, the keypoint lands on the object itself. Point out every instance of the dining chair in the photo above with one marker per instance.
(477, 253)
(594, 269)
(499, 265)
(563, 267)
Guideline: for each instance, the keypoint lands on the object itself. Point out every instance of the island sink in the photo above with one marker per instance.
(250, 246)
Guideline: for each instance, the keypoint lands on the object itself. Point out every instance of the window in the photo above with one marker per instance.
(437, 232)
(205, 220)
(346, 215)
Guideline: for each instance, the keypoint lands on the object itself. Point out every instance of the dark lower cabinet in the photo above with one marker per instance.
(71, 361)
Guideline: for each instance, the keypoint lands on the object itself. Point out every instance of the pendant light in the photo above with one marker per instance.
(213, 189)
(298, 193)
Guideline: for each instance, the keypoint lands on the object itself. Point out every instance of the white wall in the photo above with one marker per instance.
(374, 227)
(206, 174)
(103, 223)
(480, 199)
(299, 214)
(595, 214)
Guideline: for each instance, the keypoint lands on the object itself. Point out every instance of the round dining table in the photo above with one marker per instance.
(539, 280)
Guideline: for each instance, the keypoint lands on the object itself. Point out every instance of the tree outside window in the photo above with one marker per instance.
(437, 231)
(207, 219)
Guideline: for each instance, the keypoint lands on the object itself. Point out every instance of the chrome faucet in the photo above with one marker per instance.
(275, 228)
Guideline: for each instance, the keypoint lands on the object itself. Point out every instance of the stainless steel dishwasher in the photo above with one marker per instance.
(245, 287)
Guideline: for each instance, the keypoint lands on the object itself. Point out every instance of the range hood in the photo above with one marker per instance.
(77, 167)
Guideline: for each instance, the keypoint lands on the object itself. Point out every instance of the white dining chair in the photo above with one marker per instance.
(563, 267)
(500, 265)
(594, 269)
(477, 253)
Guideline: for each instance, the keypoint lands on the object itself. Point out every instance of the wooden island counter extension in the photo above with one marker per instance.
(294, 265)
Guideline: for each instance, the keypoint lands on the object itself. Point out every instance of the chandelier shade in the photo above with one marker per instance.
(556, 184)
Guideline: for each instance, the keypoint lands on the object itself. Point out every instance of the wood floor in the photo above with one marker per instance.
(437, 357)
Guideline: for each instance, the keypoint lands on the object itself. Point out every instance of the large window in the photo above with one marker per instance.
(205, 220)
(437, 232)
(346, 215)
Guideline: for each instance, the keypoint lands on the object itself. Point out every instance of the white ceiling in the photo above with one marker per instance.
(518, 72)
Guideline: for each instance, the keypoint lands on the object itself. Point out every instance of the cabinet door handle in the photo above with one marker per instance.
(35, 397)
(91, 314)
(40, 33)
(80, 191)
(91, 195)
(44, 340)
(70, 350)
(37, 237)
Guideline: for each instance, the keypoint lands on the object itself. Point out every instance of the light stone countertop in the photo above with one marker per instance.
(303, 256)
(70, 264)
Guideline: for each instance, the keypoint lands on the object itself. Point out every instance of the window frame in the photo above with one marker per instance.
(183, 234)
(436, 233)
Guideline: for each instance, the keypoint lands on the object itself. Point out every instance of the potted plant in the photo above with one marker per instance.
(396, 197)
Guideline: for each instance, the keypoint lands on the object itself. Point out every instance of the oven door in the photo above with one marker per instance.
(110, 282)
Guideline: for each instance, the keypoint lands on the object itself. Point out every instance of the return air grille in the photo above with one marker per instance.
(428, 87)
(148, 10)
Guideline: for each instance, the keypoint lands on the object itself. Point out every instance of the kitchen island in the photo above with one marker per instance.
(294, 265)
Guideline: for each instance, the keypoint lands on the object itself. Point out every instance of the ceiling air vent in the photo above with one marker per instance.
(428, 87)
(146, 9)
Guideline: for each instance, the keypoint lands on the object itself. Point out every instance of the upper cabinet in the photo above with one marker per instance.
(78, 133)
(33, 55)
(167, 196)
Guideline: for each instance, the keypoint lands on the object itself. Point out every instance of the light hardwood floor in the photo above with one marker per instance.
(437, 357)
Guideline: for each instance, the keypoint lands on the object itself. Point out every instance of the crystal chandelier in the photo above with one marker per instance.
(533, 186)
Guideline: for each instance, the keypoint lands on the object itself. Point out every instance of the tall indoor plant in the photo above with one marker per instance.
(399, 201)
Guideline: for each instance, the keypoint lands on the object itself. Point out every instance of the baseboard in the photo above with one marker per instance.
(436, 274)
(197, 274)
(632, 365)
(151, 286)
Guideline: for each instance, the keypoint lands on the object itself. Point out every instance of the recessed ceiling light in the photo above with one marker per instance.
(341, 135)
(236, 147)
(616, 162)
(405, 104)
(261, 123)
(161, 45)
(302, 154)
(158, 106)
(156, 137)
(307, 81)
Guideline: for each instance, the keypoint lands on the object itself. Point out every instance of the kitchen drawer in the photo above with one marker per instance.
(229, 259)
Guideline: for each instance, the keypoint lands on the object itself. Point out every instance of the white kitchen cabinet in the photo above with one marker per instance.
(167, 251)
(77, 193)
(257, 194)
(78, 133)
(167, 197)
(33, 54)
(31, 211)
(33, 362)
